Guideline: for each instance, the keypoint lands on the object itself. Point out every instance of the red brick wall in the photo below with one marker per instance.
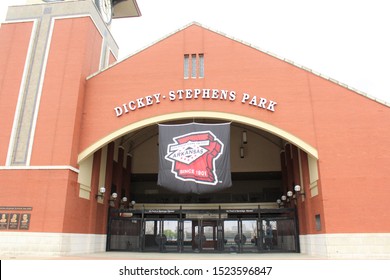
(43, 190)
(74, 54)
(53, 194)
(15, 39)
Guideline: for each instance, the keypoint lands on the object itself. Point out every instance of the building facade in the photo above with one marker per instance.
(79, 134)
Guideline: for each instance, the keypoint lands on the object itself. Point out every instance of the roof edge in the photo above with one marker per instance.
(254, 47)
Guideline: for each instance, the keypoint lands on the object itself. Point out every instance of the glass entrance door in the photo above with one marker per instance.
(271, 231)
(124, 235)
(161, 235)
(278, 235)
(240, 235)
(152, 229)
(208, 235)
(170, 232)
(230, 230)
(250, 232)
(201, 236)
(188, 236)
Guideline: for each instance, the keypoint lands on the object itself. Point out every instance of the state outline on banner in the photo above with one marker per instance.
(199, 144)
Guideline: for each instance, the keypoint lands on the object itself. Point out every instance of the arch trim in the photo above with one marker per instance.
(199, 114)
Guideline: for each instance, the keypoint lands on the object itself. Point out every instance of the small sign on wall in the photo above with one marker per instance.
(14, 221)
(25, 221)
(3, 221)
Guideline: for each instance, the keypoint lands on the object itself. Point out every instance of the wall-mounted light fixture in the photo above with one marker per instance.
(244, 137)
(113, 196)
(298, 190)
(123, 202)
(290, 194)
(102, 190)
(242, 152)
(112, 199)
(284, 199)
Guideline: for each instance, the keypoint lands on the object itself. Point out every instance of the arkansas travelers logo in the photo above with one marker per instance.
(193, 157)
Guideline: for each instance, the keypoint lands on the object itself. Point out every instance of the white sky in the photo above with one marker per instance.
(346, 40)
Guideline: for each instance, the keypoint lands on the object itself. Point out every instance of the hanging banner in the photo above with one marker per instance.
(194, 158)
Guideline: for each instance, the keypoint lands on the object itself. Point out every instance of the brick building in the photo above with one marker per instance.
(79, 144)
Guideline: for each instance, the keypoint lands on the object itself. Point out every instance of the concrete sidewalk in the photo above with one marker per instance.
(168, 256)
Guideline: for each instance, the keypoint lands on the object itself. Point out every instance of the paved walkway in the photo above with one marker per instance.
(168, 256)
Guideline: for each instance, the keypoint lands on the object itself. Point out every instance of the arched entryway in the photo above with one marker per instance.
(243, 218)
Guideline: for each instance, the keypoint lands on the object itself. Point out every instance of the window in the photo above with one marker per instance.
(201, 65)
(313, 175)
(186, 65)
(318, 222)
(195, 66)
(209, 233)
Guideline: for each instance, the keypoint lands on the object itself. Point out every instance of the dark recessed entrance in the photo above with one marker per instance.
(203, 231)
(246, 220)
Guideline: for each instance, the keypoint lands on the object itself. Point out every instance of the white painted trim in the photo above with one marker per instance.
(39, 94)
(114, 55)
(41, 167)
(19, 20)
(102, 64)
(27, 65)
(34, 18)
(200, 114)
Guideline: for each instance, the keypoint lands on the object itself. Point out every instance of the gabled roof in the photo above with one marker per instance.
(254, 47)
